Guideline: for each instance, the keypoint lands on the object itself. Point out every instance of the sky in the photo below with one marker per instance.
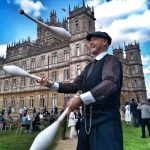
(125, 21)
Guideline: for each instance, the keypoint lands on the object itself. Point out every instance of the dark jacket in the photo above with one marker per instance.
(104, 83)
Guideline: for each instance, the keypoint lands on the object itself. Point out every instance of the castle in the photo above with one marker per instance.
(62, 61)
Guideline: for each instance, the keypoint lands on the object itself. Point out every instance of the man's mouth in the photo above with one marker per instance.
(93, 46)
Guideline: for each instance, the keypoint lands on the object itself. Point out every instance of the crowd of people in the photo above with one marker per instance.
(137, 115)
(33, 122)
(6, 116)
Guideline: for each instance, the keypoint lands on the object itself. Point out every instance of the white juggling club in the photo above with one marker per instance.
(17, 71)
(58, 32)
(45, 138)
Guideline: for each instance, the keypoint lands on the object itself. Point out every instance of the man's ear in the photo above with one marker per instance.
(105, 42)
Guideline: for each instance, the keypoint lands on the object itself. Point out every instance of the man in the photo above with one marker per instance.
(100, 83)
(145, 117)
(134, 113)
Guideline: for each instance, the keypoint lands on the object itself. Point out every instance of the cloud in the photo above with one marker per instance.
(3, 50)
(29, 6)
(147, 86)
(123, 20)
(146, 66)
(145, 59)
(146, 70)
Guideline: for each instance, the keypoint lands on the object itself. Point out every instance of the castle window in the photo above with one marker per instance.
(132, 71)
(66, 74)
(32, 82)
(76, 25)
(78, 72)
(42, 60)
(66, 55)
(6, 85)
(24, 65)
(42, 101)
(31, 102)
(54, 100)
(5, 103)
(32, 63)
(131, 55)
(21, 103)
(14, 83)
(78, 51)
(54, 58)
(23, 81)
(135, 83)
(13, 103)
(54, 76)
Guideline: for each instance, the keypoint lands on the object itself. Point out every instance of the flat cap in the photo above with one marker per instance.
(100, 35)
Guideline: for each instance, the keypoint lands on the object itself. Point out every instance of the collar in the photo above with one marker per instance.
(100, 56)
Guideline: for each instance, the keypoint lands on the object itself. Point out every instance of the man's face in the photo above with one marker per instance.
(97, 45)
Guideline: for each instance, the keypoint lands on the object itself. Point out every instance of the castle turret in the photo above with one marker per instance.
(118, 52)
(133, 57)
(53, 17)
(81, 20)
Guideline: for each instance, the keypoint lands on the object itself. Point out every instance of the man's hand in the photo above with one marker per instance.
(74, 103)
(44, 81)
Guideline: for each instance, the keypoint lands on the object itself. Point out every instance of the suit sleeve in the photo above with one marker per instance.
(111, 79)
(72, 87)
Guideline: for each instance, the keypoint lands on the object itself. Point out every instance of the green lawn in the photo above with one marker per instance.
(132, 140)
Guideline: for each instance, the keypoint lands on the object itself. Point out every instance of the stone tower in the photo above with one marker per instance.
(133, 57)
(81, 22)
(118, 52)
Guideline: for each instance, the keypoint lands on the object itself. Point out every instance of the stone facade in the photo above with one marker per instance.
(133, 76)
(62, 61)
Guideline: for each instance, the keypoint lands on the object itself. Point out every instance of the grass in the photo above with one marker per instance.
(11, 141)
(133, 140)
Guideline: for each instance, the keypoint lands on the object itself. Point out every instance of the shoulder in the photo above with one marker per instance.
(111, 60)
(110, 57)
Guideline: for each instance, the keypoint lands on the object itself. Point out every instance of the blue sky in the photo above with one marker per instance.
(124, 20)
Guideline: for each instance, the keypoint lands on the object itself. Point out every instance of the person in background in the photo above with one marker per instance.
(145, 117)
(20, 113)
(127, 114)
(3, 121)
(72, 126)
(100, 83)
(9, 110)
(25, 121)
(134, 113)
(52, 116)
(78, 120)
(3, 111)
(36, 121)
